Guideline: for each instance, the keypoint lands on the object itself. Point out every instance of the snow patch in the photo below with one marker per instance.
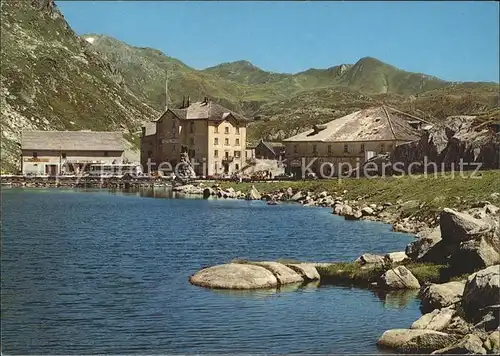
(90, 39)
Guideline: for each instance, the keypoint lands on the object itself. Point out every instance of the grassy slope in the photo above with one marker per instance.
(53, 80)
(295, 100)
(433, 193)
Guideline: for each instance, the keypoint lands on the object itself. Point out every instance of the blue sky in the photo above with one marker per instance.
(457, 41)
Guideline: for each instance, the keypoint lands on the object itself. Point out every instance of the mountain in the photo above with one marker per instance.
(52, 79)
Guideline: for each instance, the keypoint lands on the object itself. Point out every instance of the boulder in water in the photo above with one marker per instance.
(234, 276)
(415, 340)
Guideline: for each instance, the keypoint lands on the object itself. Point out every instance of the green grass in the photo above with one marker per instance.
(353, 273)
(431, 193)
(350, 273)
(428, 272)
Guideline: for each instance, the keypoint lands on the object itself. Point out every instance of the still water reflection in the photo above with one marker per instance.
(93, 272)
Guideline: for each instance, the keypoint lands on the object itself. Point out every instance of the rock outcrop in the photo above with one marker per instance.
(436, 320)
(284, 274)
(436, 296)
(253, 194)
(481, 291)
(369, 258)
(415, 340)
(395, 257)
(398, 278)
(234, 276)
(254, 275)
(446, 143)
(462, 240)
(307, 271)
(470, 344)
(458, 227)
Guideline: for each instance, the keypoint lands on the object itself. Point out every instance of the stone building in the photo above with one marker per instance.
(213, 136)
(269, 150)
(350, 140)
(55, 152)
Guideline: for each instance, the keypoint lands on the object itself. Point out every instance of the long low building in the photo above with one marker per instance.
(350, 140)
(50, 153)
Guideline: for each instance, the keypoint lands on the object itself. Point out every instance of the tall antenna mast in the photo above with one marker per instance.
(166, 91)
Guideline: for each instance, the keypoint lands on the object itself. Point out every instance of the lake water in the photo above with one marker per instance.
(93, 272)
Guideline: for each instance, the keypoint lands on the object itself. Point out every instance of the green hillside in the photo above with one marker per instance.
(51, 79)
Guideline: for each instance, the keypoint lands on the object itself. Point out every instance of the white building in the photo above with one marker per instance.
(50, 153)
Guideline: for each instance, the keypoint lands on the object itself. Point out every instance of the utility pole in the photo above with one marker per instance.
(166, 90)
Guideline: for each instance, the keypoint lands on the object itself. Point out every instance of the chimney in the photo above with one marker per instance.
(143, 129)
(188, 101)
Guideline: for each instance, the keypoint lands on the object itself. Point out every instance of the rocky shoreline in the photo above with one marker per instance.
(461, 313)
(353, 209)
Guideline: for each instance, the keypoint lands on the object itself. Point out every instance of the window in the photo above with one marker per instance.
(226, 129)
(236, 166)
(216, 141)
(216, 129)
(106, 154)
(216, 166)
(237, 130)
(226, 142)
(237, 154)
(35, 154)
(314, 148)
(382, 147)
(191, 140)
(295, 149)
(346, 148)
(150, 154)
(226, 154)
(237, 142)
(191, 127)
(63, 155)
(216, 153)
(329, 148)
(362, 149)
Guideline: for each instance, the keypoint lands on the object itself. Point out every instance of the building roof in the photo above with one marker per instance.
(72, 140)
(275, 147)
(150, 128)
(374, 124)
(204, 110)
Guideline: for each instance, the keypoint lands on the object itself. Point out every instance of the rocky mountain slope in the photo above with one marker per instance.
(286, 103)
(53, 79)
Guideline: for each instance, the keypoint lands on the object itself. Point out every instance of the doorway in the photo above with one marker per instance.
(51, 170)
